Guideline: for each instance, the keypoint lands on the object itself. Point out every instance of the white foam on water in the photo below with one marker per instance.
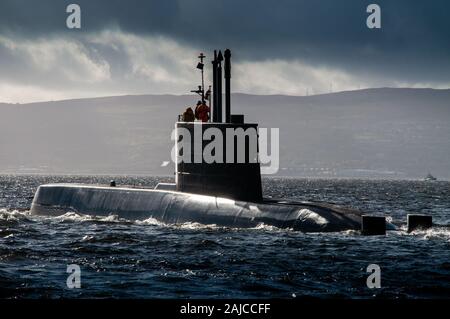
(350, 232)
(111, 218)
(149, 221)
(270, 228)
(75, 217)
(187, 225)
(197, 226)
(436, 232)
(13, 215)
(433, 233)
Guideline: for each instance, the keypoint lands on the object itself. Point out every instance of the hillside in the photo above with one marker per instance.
(381, 133)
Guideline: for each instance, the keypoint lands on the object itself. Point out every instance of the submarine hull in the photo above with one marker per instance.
(174, 207)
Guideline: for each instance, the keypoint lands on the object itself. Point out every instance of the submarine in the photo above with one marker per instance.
(220, 193)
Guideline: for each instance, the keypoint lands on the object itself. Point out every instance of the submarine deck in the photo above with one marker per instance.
(177, 207)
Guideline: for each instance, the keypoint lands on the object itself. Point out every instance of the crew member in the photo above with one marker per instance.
(202, 111)
(188, 115)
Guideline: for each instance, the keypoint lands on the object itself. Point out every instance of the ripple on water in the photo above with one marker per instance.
(128, 258)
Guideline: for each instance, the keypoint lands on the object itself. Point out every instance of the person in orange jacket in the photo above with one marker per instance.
(202, 111)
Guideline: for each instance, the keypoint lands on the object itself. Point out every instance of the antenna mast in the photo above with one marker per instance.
(201, 88)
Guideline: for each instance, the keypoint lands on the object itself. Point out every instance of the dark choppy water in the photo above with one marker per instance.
(122, 258)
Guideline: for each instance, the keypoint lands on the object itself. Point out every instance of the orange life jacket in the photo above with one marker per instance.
(203, 112)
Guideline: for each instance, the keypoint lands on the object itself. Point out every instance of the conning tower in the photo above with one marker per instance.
(236, 171)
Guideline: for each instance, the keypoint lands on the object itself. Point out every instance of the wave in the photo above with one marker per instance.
(75, 217)
(8, 217)
(149, 222)
(440, 233)
(13, 215)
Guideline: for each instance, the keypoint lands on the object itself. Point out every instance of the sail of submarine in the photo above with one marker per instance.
(224, 194)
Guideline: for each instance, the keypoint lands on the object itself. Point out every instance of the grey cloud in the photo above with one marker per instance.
(412, 46)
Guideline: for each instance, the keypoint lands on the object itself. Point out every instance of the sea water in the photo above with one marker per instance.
(149, 259)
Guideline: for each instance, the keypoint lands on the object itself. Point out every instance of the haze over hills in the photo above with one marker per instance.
(377, 133)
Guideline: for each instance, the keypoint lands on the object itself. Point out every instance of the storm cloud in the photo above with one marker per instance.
(287, 46)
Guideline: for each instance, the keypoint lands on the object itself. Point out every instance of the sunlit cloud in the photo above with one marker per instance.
(114, 62)
(293, 78)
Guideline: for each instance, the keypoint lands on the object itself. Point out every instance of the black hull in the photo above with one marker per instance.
(177, 207)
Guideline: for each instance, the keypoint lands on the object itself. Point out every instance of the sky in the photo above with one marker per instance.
(294, 47)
